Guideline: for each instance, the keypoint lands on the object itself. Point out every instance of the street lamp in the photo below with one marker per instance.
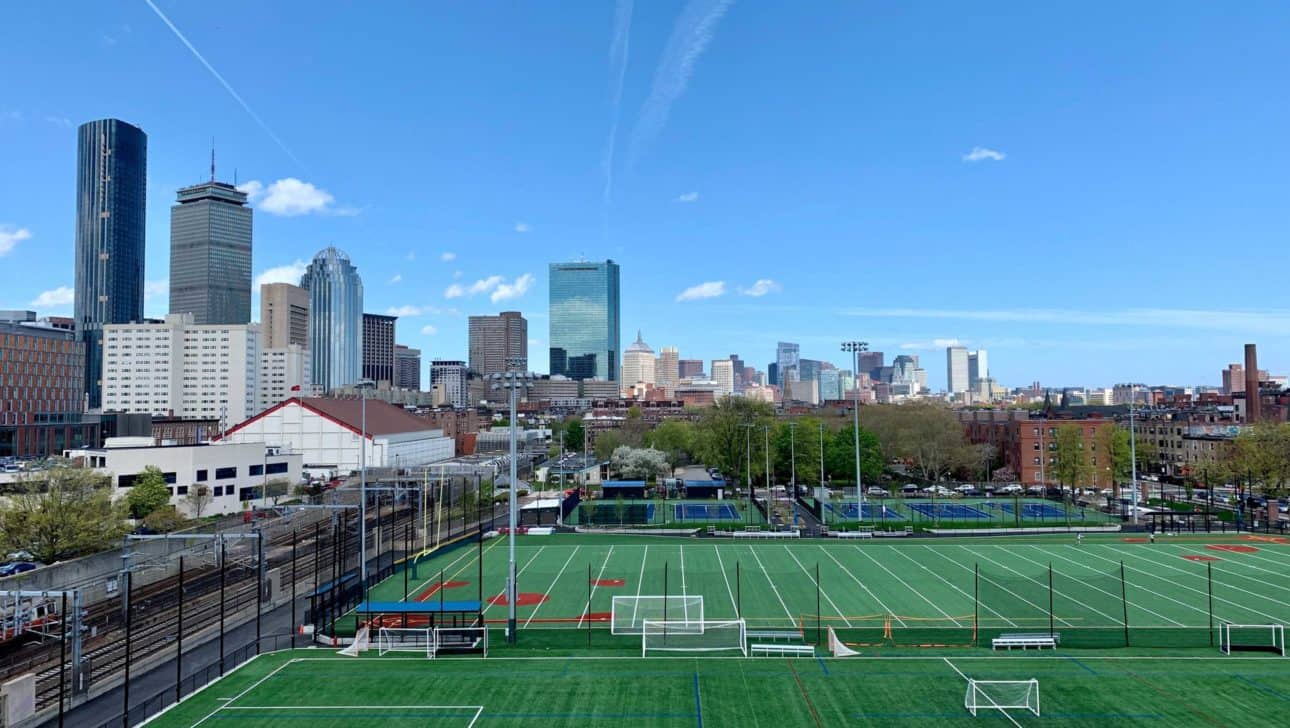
(854, 348)
(362, 386)
(514, 382)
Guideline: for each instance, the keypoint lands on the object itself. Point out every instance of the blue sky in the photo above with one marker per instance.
(1067, 185)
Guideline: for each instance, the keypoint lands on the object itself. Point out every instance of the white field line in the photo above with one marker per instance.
(546, 594)
(253, 686)
(1217, 598)
(590, 597)
(473, 554)
(817, 584)
(1085, 584)
(1036, 581)
(951, 584)
(519, 571)
(773, 588)
(1242, 562)
(1261, 557)
(1192, 607)
(475, 716)
(858, 658)
(969, 681)
(729, 591)
(965, 567)
(906, 585)
(862, 585)
(639, 581)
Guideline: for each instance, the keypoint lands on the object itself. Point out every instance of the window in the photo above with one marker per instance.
(201, 476)
(251, 493)
(181, 490)
(276, 468)
(257, 470)
(225, 473)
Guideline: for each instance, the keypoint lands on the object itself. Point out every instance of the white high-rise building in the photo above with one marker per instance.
(638, 364)
(668, 369)
(723, 373)
(956, 369)
(450, 378)
(180, 369)
(978, 368)
(284, 373)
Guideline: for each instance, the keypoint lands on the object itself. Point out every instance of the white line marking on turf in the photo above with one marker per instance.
(1040, 583)
(988, 579)
(729, 591)
(817, 584)
(907, 586)
(969, 680)
(773, 588)
(1115, 596)
(856, 579)
(546, 594)
(253, 686)
(532, 558)
(639, 581)
(952, 585)
(472, 553)
(590, 597)
(1242, 562)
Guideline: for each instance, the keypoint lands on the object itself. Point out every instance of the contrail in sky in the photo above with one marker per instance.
(618, 49)
(227, 87)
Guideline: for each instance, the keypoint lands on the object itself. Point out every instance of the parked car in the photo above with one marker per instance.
(876, 491)
(1035, 490)
(965, 488)
(937, 490)
(1011, 489)
(16, 567)
(909, 489)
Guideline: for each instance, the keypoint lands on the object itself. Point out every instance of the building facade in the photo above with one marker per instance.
(496, 340)
(210, 254)
(407, 367)
(787, 356)
(956, 369)
(42, 384)
(723, 373)
(111, 193)
(690, 368)
(283, 373)
(667, 370)
(584, 313)
(378, 347)
(335, 319)
(450, 378)
(638, 364)
(978, 369)
(284, 315)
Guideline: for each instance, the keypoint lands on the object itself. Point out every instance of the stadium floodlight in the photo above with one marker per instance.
(514, 380)
(854, 348)
(363, 385)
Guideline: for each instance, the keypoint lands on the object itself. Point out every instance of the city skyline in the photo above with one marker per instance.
(995, 161)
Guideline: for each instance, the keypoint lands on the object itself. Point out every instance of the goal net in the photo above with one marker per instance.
(362, 643)
(1002, 695)
(406, 639)
(1252, 637)
(693, 636)
(461, 639)
(838, 648)
(629, 614)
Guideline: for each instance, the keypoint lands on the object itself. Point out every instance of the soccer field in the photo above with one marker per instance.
(304, 687)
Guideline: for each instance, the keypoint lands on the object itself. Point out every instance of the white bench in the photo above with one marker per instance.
(782, 650)
(1038, 640)
(864, 533)
(772, 635)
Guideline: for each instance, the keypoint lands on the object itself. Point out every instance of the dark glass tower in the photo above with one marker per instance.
(335, 319)
(210, 254)
(111, 190)
(584, 320)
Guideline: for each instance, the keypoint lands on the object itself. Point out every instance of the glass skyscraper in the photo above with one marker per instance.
(111, 192)
(210, 254)
(584, 320)
(335, 319)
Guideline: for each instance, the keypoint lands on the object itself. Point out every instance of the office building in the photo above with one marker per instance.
(283, 373)
(111, 190)
(803, 390)
(496, 340)
(584, 311)
(978, 369)
(181, 369)
(690, 368)
(210, 253)
(956, 369)
(42, 384)
(787, 355)
(638, 364)
(407, 367)
(668, 369)
(284, 315)
(378, 347)
(830, 384)
(809, 370)
(335, 319)
(723, 373)
(450, 379)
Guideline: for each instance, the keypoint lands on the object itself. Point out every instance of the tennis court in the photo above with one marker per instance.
(1002, 511)
(670, 513)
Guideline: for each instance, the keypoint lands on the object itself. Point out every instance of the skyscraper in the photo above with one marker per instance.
(407, 367)
(978, 368)
(210, 253)
(787, 355)
(956, 369)
(111, 189)
(723, 373)
(668, 370)
(335, 319)
(584, 308)
(496, 339)
(284, 315)
(378, 347)
(638, 364)
(690, 368)
(450, 378)
(870, 363)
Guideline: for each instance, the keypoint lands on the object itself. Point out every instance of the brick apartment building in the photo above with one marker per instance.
(1023, 441)
(42, 385)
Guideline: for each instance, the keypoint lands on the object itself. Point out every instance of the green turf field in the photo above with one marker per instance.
(316, 688)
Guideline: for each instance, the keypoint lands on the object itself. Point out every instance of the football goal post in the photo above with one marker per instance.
(838, 648)
(362, 642)
(406, 639)
(628, 614)
(1002, 695)
(1252, 637)
(693, 636)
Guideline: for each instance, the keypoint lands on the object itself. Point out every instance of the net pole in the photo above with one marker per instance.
(738, 593)
(664, 591)
(1209, 569)
(129, 623)
(517, 596)
(179, 639)
(1124, 601)
(817, 602)
(588, 604)
(295, 539)
(62, 652)
(976, 602)
(1051, 629)
(406, 549)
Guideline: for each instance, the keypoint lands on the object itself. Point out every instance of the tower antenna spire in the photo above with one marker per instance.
(212, 159)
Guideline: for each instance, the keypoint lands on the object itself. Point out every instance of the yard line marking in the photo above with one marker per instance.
(587, 612)
(253, 686)
(532, 558)
(1090, 586)
(729, 591)
(1242, 562)
(773, 588)
(907, 586)
(969, 680)
(814, 581)
(951, 584)
(636, 605)
(1198, 591)
(1036, 581)
(547, 593)
(992, 581)
(698, 705)
(472, 553)
(856, 579)
(1164, 596)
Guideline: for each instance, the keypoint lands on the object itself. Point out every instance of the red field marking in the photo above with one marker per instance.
(599, 616)
(1200, 557)
(1265, 539)
(434, 589)
(1134, 539)
(525, 599)
(396, 620)
(1232, 547)
(609, 582)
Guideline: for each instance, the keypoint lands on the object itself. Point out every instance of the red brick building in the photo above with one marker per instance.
(42, 386)
(1023, 443)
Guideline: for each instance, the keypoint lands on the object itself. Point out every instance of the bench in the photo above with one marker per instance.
(1038, 640)
(772, 635)
(863, 533)
(782, 650)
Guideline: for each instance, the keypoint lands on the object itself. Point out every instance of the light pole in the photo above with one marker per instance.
(855, 347)
(821, 453)
(363, 385)
(792, 456)
(514, 382)
(1133, 457)
(748, 428)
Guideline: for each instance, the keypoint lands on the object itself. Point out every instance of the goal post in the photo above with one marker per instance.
(690, 636)
(1002, 695)
(406, 639)
(629, 613)
(838, 648)
(1252, 637)
(461, 639)
(362, 642)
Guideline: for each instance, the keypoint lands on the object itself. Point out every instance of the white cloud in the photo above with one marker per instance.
(762, 287)
(710, 289)
(484, 285)
(688, 197)
(290, 197)
(456, 290)
(456, 275)
(10, 237)
(447, 256)
(152, 289)
(61, 296)
(507, 291)
(60, 121)
(289, 273)
(979, 154)
(429, 330)
(521, 227)
(405, 311)
(396, 279)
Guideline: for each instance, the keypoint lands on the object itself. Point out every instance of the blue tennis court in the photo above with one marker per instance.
(705, 512)
(947, 510)
(871, 512)
(1034, 510)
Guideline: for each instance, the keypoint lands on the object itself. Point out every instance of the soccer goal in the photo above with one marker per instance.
(838, 648)
(1002, 695)
(362, 642)
(1252, 637)
(406, 639)
(461, 639)
(693, 636)
(628, 614)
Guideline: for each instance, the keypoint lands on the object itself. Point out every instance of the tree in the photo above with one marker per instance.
(199, 496)
(840, 455)
(676, 438)
(634, 427)
(802, 447)
(926, 435)
(62, 513)
(164, 520)
(574, 434)
(606, 443)
(634, 463)
(149, 492)
(1261, 453)
(722, 440)
(1073, 466)
(1115, 457)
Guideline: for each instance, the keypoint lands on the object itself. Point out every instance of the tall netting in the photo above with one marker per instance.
(712, 636)
(629, 614)
(1002, 695)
